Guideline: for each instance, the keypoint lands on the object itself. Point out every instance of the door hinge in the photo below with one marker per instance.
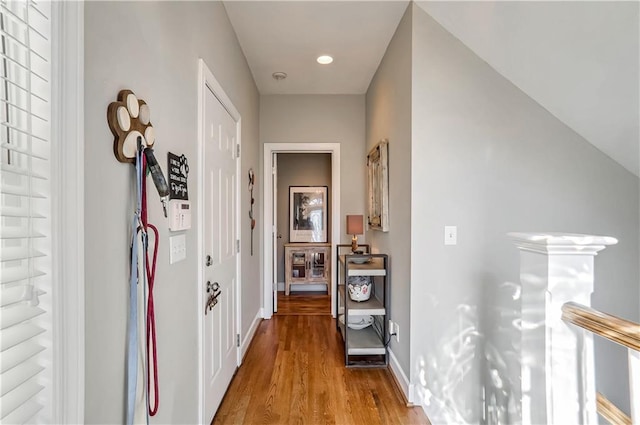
(238, 246)
(238, 150)
(238, 340)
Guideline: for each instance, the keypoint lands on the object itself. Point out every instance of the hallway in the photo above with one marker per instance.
(294, 373)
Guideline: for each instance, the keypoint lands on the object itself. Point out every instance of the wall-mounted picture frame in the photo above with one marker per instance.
(378, 185)
(308, 213)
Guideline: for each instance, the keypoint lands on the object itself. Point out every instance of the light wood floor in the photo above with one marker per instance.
(294, 373)
(302, 304)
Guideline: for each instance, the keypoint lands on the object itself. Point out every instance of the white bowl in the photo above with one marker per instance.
(360, 260)
(358, 322)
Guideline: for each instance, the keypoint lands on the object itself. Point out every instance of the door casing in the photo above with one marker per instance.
(336, 219)
(207, 81)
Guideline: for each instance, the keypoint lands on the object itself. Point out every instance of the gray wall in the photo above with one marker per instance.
(323, 119)
(153, 48)
(299, 169)
(490, 160)
(389, 117)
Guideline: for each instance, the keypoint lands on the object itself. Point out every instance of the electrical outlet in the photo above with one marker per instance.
(394, 329)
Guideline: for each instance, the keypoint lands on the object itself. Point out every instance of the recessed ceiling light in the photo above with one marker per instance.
(324, 59)
(279, 76)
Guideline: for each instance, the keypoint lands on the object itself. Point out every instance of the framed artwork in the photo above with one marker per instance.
(378, 185)
(308, 213)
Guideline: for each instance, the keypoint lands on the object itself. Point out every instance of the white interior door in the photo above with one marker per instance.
(274, 233)
(220, 279)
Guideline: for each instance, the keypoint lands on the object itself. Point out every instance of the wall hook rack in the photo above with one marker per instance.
(128, 119)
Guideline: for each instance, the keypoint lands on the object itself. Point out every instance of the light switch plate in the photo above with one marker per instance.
(177, 248)
(450, 235)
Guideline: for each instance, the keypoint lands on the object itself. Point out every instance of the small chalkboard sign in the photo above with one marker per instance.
(178, 171)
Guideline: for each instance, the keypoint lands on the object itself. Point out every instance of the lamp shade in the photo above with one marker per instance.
(355, 225)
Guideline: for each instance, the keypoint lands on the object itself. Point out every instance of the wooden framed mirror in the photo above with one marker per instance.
(378, 185)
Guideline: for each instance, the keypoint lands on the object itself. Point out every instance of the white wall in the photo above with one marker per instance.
(323, 119)
(389, 117)
(570, 67)
(153, 49)
(491, 160)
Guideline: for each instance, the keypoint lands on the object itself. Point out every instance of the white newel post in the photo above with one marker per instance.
(634, 385)
(557, 366)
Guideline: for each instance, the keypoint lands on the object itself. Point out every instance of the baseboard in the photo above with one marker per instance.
(246, 342)
(417, 395)
(309, 287)
(399, 377)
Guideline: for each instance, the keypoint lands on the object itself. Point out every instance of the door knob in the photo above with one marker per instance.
(212, 288)
(209, 261)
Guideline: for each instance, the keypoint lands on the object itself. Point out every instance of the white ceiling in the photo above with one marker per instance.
(288, 36)
(579, 60)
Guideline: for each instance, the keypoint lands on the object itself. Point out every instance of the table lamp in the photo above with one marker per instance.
(355, 227)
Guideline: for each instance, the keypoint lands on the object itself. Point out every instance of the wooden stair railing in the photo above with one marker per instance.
(610, 411)
(620, 331)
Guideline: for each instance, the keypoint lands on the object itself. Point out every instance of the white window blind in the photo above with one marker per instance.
(25, 211)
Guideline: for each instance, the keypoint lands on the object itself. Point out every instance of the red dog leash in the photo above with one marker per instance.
(152, 356)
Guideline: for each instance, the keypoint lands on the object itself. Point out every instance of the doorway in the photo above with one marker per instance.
(271, 240)
(308, 290)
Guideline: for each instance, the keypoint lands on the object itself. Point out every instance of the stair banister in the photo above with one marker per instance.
(618, 330)
(555, 269)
